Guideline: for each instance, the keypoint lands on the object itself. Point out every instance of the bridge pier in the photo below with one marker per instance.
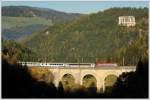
(77, 77)
(56, 83)
(99, 85)
(103, 86)
(77, 81)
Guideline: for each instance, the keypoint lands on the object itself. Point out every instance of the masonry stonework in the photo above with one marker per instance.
(78, 73)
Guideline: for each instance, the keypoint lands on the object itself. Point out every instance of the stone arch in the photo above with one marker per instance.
(109, 82)
(112, 72)
(68, 81)
(87, 78)
(83, 74)
(89, 81)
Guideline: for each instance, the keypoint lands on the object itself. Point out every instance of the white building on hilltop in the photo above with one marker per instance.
(127, 21)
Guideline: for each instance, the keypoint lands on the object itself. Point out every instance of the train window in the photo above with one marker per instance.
(80, 64)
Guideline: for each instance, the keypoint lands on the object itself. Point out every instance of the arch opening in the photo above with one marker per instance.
(109, 82)
(68, 81)
(89, 82)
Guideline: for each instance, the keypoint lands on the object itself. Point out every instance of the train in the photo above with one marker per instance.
(104, 64)
(72, 65)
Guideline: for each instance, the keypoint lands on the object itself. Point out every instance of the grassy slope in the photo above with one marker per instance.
(18, 27)
(13, 22)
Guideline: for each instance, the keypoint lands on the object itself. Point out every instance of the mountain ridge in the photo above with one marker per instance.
(29, 11)
(21, 17)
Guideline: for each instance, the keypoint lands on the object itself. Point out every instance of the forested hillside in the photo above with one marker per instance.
(94, 37)
(20, 21)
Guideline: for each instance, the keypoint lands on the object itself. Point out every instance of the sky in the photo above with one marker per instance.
(84, 7)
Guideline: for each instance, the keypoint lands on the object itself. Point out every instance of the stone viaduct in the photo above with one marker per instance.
(99, 73)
